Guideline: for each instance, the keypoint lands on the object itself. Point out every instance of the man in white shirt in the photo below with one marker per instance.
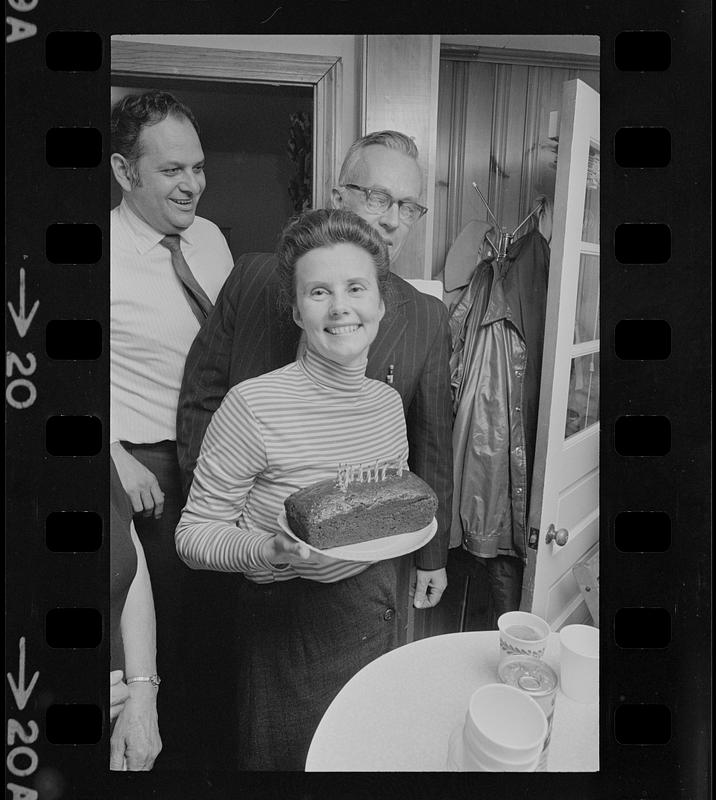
(167, 267)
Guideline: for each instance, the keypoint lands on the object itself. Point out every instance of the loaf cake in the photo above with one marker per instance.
(360, 505)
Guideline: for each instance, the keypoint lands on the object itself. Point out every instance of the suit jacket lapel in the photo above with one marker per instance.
(392, 327)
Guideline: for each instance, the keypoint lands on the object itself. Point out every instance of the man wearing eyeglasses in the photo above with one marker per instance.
(246, 335)
(382, 184)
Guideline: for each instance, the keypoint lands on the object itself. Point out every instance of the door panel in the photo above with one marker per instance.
(565, 490)
(582, 494)
(586, 324)
(564, 605)
(575, 453)
(561, 596)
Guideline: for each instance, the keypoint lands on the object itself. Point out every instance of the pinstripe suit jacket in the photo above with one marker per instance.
(247, 335)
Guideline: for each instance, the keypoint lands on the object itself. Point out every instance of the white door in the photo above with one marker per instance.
(564, 507)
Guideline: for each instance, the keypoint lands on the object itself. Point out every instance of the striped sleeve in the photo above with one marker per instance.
(232, 455)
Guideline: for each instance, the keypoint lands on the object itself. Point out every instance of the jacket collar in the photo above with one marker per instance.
(392, 327)
(506, 299)
(397, 292)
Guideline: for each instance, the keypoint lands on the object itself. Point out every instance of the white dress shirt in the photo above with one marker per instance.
(152, 326)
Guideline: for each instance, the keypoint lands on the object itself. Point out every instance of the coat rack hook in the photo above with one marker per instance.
(487, 205)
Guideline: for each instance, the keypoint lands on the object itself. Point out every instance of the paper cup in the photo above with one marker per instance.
(522, 634)
(503, 724)
(579, 662)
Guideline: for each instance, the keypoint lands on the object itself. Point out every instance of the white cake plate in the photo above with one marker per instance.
(374, 550)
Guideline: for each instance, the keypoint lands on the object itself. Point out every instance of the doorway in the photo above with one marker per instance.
(499, 117)
(498, 112)
(321, 75)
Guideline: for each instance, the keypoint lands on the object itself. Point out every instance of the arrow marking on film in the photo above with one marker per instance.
(23, 322)
(19, 692)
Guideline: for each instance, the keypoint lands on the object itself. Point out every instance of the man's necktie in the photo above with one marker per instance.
(195, 295)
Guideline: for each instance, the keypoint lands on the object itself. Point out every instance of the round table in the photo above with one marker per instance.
(397, 713)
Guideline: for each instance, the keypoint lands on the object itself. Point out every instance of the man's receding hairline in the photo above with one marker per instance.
(359, 156)
(177, 115)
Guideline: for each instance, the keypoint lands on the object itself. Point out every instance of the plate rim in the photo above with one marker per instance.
(430, 530)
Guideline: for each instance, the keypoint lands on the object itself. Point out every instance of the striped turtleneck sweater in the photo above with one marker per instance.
(275, 434)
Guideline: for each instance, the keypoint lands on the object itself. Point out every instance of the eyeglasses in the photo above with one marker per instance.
(378, 202)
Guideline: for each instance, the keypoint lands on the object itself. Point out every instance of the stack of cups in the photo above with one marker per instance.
(504, 731)
(523, 640)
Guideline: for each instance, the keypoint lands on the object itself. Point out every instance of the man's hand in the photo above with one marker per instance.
(118, 693)
(429, 587)
(135, 738)
(139, 483)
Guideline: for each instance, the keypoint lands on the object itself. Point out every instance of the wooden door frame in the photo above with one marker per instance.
(512, 55)
(323, 73)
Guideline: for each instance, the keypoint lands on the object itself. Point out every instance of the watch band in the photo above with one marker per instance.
(155, 680)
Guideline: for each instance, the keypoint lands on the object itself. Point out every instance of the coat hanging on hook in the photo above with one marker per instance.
(498, 332)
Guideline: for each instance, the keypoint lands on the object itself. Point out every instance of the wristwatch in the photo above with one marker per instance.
(155, 680)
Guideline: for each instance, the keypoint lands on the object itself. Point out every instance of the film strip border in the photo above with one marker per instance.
(650, 439)
(655, 446)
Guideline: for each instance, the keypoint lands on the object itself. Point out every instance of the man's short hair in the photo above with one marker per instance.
(394, 140)
(137, 111)
(326, 228)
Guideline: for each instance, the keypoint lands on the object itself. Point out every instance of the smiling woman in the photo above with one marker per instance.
(301, 640)
(338, 303)
(332, 266)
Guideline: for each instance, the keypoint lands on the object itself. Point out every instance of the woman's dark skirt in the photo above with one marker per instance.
(299, 643)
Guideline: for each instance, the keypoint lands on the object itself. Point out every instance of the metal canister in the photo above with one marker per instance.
(540, 682)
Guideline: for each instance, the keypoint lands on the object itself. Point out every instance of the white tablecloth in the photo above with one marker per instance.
(397, 713)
